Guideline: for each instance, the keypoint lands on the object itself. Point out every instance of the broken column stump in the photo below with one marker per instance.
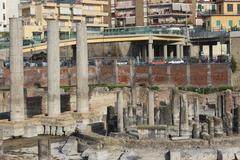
(44, 148)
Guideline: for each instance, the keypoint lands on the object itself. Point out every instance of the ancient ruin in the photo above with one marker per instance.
(86, 121)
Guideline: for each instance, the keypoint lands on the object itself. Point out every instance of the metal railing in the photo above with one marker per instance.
(115, 32)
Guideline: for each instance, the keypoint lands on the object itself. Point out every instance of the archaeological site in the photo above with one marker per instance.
(112, 111)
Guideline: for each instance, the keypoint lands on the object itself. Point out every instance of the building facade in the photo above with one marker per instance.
(35, 14)
(8, 9)
(126, 13)
(204, 7)
(226, 17)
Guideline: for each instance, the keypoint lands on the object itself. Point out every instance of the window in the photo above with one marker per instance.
(3, 5)
(218, 23)
(230, 23)
(229, 7)
(208, 23)
(220, 9)
(213, 7)
(4, 17)
(238, 8)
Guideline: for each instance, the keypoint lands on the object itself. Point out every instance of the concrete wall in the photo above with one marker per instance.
(235, 51)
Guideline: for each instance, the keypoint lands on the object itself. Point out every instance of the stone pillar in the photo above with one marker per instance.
(171, 54)
(196, 130)
(181, 51)
(17, 112)
(53, 68)
(133, 104)
(184, 122)
(44, 149)
(165, 52)
(120, 111)
(218, 127)
(211, 126)
(82, 69)
(151, 107)
(150, 50)
(144, 53)
(210, 53)
(178, 50)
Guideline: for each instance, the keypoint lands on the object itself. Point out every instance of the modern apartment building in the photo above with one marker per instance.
(226, 17)
(204, 7)
(35, 14)
(126, 13)
(8, 9)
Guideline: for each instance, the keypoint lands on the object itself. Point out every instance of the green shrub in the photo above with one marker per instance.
(205, 90)
(153, 88)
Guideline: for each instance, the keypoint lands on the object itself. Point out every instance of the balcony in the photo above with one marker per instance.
(94, 13)
(125, 5)
(99, 2)
(50, 4)
(64, 17)
(77, 18)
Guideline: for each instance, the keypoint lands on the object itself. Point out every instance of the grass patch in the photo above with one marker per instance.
(109, 86)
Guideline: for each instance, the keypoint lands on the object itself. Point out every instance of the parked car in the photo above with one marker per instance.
(158, 61)
(122, 62)
(176, 61)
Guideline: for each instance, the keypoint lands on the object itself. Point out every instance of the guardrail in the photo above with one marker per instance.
(113, 32)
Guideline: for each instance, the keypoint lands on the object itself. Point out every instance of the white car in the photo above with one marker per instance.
(176, 61)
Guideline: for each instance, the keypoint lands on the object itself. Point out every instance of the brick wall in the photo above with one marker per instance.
(180, 75)
(198, 75)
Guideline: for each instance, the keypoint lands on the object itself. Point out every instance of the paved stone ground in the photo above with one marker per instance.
(26, 149)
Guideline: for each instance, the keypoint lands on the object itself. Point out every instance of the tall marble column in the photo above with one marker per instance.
(17, 112)
(53, 68)
(82, 69)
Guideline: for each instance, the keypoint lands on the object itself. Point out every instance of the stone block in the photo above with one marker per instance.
(173, 155)
(30, 131)
(223, 154)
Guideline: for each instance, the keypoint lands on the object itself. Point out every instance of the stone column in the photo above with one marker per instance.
(53, 68)
(181, 50)
(151, 107)
(44, 149)
(17, 112)
(171, 54)
(165, 52)
(82, 69)
(218, 127)
(196, 130)
(184, 122)
(211, 126)
(120, 111)
(178, 51)
(150, 50)
(133, 104)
